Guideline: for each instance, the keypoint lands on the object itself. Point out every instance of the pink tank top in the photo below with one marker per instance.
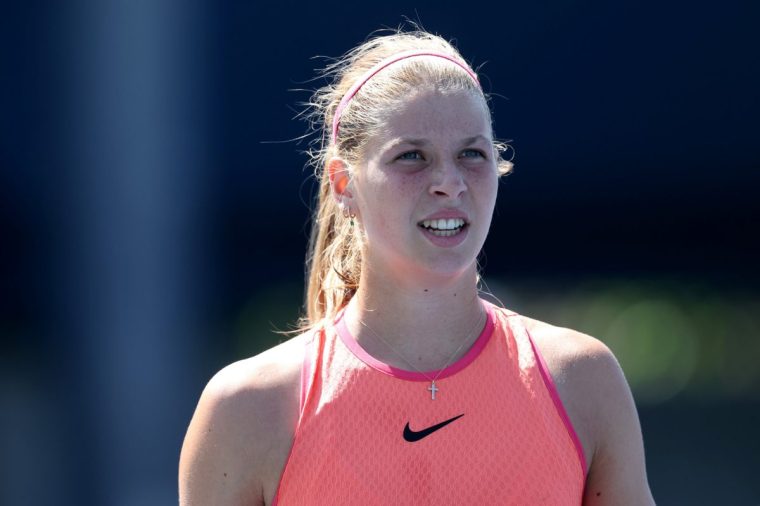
(370, 434)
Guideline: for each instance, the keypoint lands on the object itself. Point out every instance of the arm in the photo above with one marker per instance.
(600, 405)
(242, 430)
(617, 472)
(220, 455)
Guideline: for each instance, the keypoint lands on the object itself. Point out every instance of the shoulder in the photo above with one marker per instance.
(258, 376)
(575, 358)
(241, 428)
(599, 403)
(257, 388)
(578, 364)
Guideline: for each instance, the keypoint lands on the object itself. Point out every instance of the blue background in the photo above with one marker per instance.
(154, 216)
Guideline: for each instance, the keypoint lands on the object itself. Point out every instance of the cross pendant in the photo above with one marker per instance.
(433, 389)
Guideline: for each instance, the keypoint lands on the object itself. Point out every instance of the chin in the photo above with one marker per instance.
(451, 269)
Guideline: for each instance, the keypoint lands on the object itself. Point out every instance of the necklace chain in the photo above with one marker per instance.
(432, 388)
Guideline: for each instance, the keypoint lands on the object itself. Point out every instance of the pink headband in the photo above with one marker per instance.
(380, 66)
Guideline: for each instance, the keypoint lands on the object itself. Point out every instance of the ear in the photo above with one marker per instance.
(340, 176)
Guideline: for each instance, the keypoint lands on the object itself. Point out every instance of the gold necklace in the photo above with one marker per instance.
(432, 388)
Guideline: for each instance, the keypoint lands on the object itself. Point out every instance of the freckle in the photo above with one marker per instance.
(426, 289)
(225, 475)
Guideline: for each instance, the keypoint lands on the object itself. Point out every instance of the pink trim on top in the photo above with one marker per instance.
(307, 373)
(552, 388)
(306, 370)
(472, 353)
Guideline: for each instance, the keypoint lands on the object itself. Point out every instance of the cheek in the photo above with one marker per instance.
(389, 206)
(486, 184)
(396, 191)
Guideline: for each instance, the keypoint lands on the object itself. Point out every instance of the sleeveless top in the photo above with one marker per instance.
(370, 434)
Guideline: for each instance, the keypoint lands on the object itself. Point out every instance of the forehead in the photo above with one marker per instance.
(434, 114)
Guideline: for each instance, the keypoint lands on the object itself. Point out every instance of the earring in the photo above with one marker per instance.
(347, 213)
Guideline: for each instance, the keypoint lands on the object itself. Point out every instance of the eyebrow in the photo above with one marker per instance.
(413, 142)
(473, 140)
(422, 142)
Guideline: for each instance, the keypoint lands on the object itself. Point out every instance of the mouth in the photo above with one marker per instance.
(444, 227)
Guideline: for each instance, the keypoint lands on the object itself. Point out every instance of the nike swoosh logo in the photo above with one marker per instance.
(412, 436)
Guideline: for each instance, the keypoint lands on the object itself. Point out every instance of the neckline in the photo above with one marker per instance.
(355, 348)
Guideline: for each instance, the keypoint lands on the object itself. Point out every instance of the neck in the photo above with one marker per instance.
(428, 324)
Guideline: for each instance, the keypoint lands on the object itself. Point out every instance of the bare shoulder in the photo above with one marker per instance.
(241, 432)
(578, 364)
(599, 403)
(571, 353)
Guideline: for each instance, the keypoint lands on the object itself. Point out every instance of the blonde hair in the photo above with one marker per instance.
(334, 259)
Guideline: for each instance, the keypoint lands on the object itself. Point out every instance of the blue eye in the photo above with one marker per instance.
(410, 155)
(472, 153)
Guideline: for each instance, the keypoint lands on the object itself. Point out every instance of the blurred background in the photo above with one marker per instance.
(154, 216)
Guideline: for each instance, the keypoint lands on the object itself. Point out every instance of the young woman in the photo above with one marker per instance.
(405, 387)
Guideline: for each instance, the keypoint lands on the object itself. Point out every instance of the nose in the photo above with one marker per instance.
(448, 180)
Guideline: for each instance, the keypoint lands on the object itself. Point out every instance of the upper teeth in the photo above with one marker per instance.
(444, 224)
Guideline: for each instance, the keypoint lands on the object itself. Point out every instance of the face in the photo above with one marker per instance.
(425, 192)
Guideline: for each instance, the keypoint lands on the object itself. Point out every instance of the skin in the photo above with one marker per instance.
(240, 435)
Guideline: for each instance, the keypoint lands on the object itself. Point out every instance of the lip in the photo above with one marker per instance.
(446, 241)
(450, 241)
(447, 214)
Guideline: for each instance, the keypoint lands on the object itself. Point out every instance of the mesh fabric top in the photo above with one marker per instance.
(370, 434)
